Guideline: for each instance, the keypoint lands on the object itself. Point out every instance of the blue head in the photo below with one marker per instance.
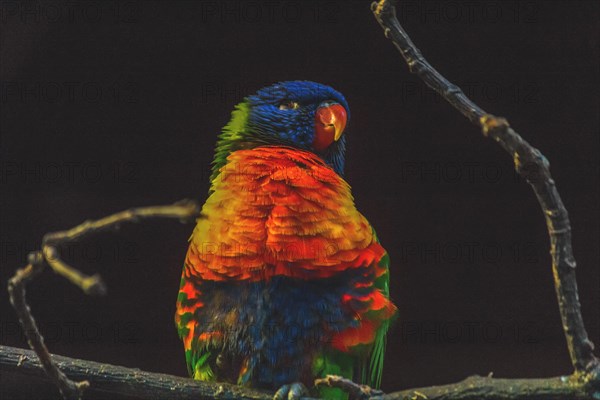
(301, 114)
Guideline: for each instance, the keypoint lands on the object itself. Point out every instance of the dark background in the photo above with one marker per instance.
(108, 105)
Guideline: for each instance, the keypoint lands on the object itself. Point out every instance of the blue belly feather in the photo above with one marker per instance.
(279, 325)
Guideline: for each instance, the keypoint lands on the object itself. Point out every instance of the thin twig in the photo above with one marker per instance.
(91, 285)
(354, 390)
(185, 210)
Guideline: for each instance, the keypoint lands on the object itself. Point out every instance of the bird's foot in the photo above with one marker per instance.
(292, 391)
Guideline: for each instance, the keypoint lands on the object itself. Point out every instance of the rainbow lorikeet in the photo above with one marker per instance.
(284, 280)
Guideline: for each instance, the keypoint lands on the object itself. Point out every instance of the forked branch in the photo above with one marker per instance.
(184, 210)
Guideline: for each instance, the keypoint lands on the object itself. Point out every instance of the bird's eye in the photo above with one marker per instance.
(289, 105)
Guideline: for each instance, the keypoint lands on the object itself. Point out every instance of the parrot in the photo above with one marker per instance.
(284, 280)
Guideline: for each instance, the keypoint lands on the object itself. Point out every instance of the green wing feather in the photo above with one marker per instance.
(375, 367)
(198, 355)
(369, 370)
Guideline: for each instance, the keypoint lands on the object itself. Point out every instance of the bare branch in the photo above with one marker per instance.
(108, 381)
(535, 169)
(16, 289)
(184, 210)
(488, 388)
(473, 388)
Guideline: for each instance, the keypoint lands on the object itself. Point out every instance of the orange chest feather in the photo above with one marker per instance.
(279, 211)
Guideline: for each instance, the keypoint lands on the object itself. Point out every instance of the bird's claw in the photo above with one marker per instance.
(292, 391)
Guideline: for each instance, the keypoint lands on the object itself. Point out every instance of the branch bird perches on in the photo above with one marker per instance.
(584, 383)
(114, 382)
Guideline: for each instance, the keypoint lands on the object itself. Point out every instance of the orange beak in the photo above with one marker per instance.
(330, 121)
